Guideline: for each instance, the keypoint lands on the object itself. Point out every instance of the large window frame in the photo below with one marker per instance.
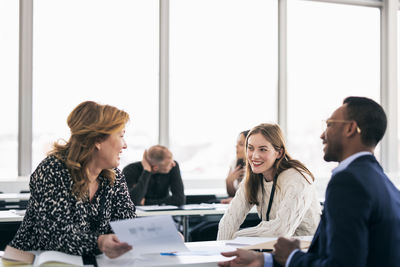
(389, 13)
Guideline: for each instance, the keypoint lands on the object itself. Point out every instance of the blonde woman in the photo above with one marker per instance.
(281, 188)
(77, 190)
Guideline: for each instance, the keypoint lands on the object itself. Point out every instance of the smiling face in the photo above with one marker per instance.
(261, 155)
(109, 150)
(332, 137)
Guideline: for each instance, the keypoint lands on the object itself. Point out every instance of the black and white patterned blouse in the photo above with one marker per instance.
(56, 220)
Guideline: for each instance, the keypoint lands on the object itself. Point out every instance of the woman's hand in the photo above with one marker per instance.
(237, 173)
(226, 200)
(111, 246)
(232, 176)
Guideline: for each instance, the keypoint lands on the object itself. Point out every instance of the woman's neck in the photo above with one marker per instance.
(93, 172)
(268, 175)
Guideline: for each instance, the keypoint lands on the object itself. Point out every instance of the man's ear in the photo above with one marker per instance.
(352, 129)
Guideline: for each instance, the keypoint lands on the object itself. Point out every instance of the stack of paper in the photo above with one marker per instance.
(16, 257)
(153, 234)
(156, 207)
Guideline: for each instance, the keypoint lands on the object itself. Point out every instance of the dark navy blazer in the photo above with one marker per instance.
(360, 224)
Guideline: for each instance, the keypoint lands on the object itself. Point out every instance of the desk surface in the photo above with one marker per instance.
(13, 197)
(194, 209)
(202, 254)
(11, 215)
(18, 215)
(205, 253)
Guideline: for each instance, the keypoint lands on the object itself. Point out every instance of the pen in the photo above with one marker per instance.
(262, 250)
(167, 254)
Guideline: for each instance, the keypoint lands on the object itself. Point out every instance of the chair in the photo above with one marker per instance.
(198, 199)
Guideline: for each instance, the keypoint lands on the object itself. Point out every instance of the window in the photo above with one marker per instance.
(9, 29)
(100, 50)
(330, 56)
(398, 82)
(223, 79)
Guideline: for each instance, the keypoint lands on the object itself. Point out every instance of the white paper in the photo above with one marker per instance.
(246, 240)
(56, 258)
(156, 207)
(198, 207)
(153, 234)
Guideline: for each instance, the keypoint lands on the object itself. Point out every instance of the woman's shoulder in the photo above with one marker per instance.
(118, 175)
(293, 175)
(51, 163)
(50, 167)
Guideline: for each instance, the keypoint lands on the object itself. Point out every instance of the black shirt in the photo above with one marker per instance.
(154, 187)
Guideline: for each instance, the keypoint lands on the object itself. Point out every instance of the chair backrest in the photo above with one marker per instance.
(198, 199)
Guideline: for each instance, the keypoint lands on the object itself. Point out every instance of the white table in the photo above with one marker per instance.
(214, 209)
(14, 197)
(18, 215)
(194, 209)
(210, 249)
(205, 253)
(11, 215)
(202, 254)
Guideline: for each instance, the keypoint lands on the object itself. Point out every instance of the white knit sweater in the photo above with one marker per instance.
(295, 210)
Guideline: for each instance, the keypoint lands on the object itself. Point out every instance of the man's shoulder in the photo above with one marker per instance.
(136, 164)
(132, 168)
(365, 165)
(364, 171)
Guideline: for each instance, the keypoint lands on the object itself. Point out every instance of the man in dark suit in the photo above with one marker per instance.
(361, 219)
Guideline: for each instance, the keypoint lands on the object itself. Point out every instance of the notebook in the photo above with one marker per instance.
(16, 257)
(156, 207)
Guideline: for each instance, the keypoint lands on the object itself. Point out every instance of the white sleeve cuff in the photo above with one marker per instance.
(268, 261)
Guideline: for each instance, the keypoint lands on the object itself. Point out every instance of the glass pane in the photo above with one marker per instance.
(110, 58)
(223, 79)
(328, 60)
(9, 29)
(398, 86)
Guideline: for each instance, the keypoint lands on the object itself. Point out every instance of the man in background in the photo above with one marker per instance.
(361, 218)
(156, 180)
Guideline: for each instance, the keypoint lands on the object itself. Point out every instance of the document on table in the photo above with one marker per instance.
(156, 207)
(153, 234)
(264, 243)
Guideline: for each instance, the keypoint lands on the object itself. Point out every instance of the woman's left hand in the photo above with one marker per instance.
(111, 246)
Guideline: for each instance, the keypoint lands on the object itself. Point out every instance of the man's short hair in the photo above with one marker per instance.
(157, 154)
(370, 118)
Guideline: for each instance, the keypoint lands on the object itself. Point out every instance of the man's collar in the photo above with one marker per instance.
(346, 162)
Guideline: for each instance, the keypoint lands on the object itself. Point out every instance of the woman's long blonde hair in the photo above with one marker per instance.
(90, 123)
(273, 134)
